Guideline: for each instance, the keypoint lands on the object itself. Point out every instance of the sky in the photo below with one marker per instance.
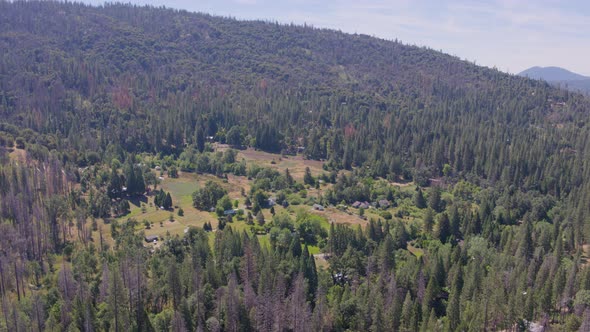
(511, 35)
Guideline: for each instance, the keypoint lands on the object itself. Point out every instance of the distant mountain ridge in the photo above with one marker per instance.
(550, 74)
(559, 77)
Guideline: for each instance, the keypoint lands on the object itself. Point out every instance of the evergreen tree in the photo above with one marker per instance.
(115, 186)
(434, 199)
(167, 202)
(419, 199)
(308, 178)
(443, 231)
(428, 222)
(454, 307)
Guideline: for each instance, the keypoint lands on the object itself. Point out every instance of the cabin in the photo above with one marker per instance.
(230, 212)
(383, 203)
(151, 238)
(361, 205)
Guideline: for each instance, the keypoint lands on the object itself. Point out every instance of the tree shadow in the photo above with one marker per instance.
(137, 199)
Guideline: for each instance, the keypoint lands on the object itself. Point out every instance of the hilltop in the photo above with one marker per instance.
(559, 77)
(551, 74)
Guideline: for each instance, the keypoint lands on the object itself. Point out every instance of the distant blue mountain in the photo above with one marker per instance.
(559, 76)
(551, 74)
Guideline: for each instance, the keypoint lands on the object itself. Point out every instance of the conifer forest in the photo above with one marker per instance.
(211, 174)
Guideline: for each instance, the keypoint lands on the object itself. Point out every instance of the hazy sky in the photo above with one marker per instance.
(511, 35)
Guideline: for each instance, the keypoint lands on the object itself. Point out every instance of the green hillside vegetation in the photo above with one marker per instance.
(293, 179)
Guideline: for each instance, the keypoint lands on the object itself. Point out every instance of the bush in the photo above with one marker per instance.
(20, 143)
(386, 215)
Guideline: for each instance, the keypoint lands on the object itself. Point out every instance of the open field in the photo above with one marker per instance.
(164, 223)
(295, 164)
(180, 190)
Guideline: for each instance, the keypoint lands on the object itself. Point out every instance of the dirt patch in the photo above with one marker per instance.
(321, 261)
(18, 155)
(236, 183)
(339, 217)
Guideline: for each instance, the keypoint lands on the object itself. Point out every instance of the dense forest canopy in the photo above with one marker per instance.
(445, 196)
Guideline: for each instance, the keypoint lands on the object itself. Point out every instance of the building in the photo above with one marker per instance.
(151, 238)
(318, 207)
(229, 212)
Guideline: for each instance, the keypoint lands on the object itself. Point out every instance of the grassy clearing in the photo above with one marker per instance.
(313, 250)
(415, 251)
(181, 190)
(295, 164)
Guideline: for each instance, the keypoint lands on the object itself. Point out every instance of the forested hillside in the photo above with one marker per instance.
(162, 170)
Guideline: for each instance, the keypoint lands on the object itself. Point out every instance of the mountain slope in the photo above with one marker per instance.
(98, 103)
(108, 79)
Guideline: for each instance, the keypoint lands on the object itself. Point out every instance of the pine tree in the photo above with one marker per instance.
(260, 218)
(444, 228)
(167, 202)
(525, 250)
(428, 222)
(387, 255)
(430, 296)
(308, 178)
(200, 138)
(115, 186)
(454, 307)
(434, 199)
(295, 246)
(419, 199)
(289, 178)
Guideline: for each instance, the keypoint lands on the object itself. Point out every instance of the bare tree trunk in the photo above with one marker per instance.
(17, 282)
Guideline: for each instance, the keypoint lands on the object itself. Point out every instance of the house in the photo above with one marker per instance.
(318, 207)
(152, 238)
(383, 203)
(356, 204)
(364, 205)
